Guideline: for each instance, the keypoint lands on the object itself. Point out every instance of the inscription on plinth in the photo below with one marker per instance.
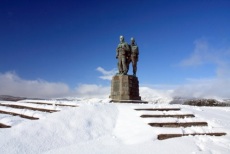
(124, 87)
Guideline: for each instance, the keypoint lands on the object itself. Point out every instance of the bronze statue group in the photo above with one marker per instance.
(127, 54)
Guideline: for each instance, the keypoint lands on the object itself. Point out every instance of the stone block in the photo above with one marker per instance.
(125, 88)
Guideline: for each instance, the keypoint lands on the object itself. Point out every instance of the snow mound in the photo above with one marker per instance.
(113, 128)
(155, 96)
(70, 126)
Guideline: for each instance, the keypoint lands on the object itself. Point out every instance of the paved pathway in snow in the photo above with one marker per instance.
(168, 122)
(163, 117)
(28, 109)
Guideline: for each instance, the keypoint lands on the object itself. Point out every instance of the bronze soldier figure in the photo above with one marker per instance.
(122, 55)
(134, 55)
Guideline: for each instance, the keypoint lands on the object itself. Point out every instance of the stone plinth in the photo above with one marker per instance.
(125, 89)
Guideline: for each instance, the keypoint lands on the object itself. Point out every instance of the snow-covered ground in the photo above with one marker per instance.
(97, 126)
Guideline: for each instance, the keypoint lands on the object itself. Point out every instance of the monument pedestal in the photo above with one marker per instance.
(125, 89)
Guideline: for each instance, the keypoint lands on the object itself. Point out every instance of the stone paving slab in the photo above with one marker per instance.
(179, 124)
(158, 109)
(20, 115)
(4, 126)
(167, 136)
(30, 108)
(56, 104)
(168, 116)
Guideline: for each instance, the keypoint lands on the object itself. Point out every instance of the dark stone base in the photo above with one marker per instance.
(129, 101)
(125, 89)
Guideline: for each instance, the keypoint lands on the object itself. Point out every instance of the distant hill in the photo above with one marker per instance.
(11, 98)
(199, 102)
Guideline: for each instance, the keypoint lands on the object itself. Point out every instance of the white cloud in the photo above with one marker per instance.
(217, 87)
(107, 75)
(204, 88)
(155, 95)
(204, 53)
(12, 84)
(92, 90)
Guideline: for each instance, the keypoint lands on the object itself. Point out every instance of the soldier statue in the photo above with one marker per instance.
(123, 54)
(134, 55)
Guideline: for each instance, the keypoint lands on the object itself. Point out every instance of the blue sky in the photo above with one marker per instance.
(65, 41)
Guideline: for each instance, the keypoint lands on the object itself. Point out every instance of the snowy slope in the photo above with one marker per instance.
(111, 128)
